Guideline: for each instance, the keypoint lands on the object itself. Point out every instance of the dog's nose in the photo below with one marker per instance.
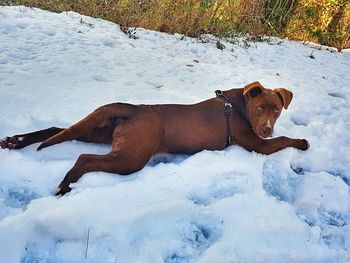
(266, 131)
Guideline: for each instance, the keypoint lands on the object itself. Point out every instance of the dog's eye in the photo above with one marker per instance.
(259, 108)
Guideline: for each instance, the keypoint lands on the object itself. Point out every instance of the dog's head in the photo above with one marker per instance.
(264, 106)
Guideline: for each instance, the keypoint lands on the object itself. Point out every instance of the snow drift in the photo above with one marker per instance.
(214, 206)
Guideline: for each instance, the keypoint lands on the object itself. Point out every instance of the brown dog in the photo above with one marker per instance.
(245, 117)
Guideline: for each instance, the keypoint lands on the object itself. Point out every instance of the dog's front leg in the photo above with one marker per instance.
(276, 144)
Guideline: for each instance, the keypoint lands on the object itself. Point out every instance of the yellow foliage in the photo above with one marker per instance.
(323, 21)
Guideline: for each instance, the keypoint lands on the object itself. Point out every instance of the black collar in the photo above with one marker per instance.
(227, 112)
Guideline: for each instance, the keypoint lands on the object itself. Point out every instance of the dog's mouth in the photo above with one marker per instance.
(264, 133)
(262, 136)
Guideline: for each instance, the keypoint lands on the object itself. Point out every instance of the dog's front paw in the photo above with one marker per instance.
(9, 143)
(302, 144)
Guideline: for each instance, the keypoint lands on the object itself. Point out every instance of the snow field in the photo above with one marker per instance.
(214, 206)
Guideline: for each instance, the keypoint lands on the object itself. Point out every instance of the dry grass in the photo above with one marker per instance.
(308, 20)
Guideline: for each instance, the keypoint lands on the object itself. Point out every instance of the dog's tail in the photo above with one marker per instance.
(97, 118)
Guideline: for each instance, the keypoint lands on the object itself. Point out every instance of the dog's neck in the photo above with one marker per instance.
(238, 101)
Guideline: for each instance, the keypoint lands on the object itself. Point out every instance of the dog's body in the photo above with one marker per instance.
(137, 132)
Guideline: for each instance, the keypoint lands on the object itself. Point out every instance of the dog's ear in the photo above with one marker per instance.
(253, 89)
(285, 95)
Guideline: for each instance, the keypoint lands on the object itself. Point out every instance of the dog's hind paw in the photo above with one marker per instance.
(62, 190)
(9, 143)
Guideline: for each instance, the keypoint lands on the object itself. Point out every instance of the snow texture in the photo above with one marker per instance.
(214, 206)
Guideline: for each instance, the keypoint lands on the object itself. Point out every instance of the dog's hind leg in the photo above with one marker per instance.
(96, 135)
(22, 140)
(103, 117)
(113, 162)
(134, 143)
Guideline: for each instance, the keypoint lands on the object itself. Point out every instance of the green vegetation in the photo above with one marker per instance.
(323, 21)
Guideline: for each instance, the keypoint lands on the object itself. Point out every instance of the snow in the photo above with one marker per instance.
(214, 206)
